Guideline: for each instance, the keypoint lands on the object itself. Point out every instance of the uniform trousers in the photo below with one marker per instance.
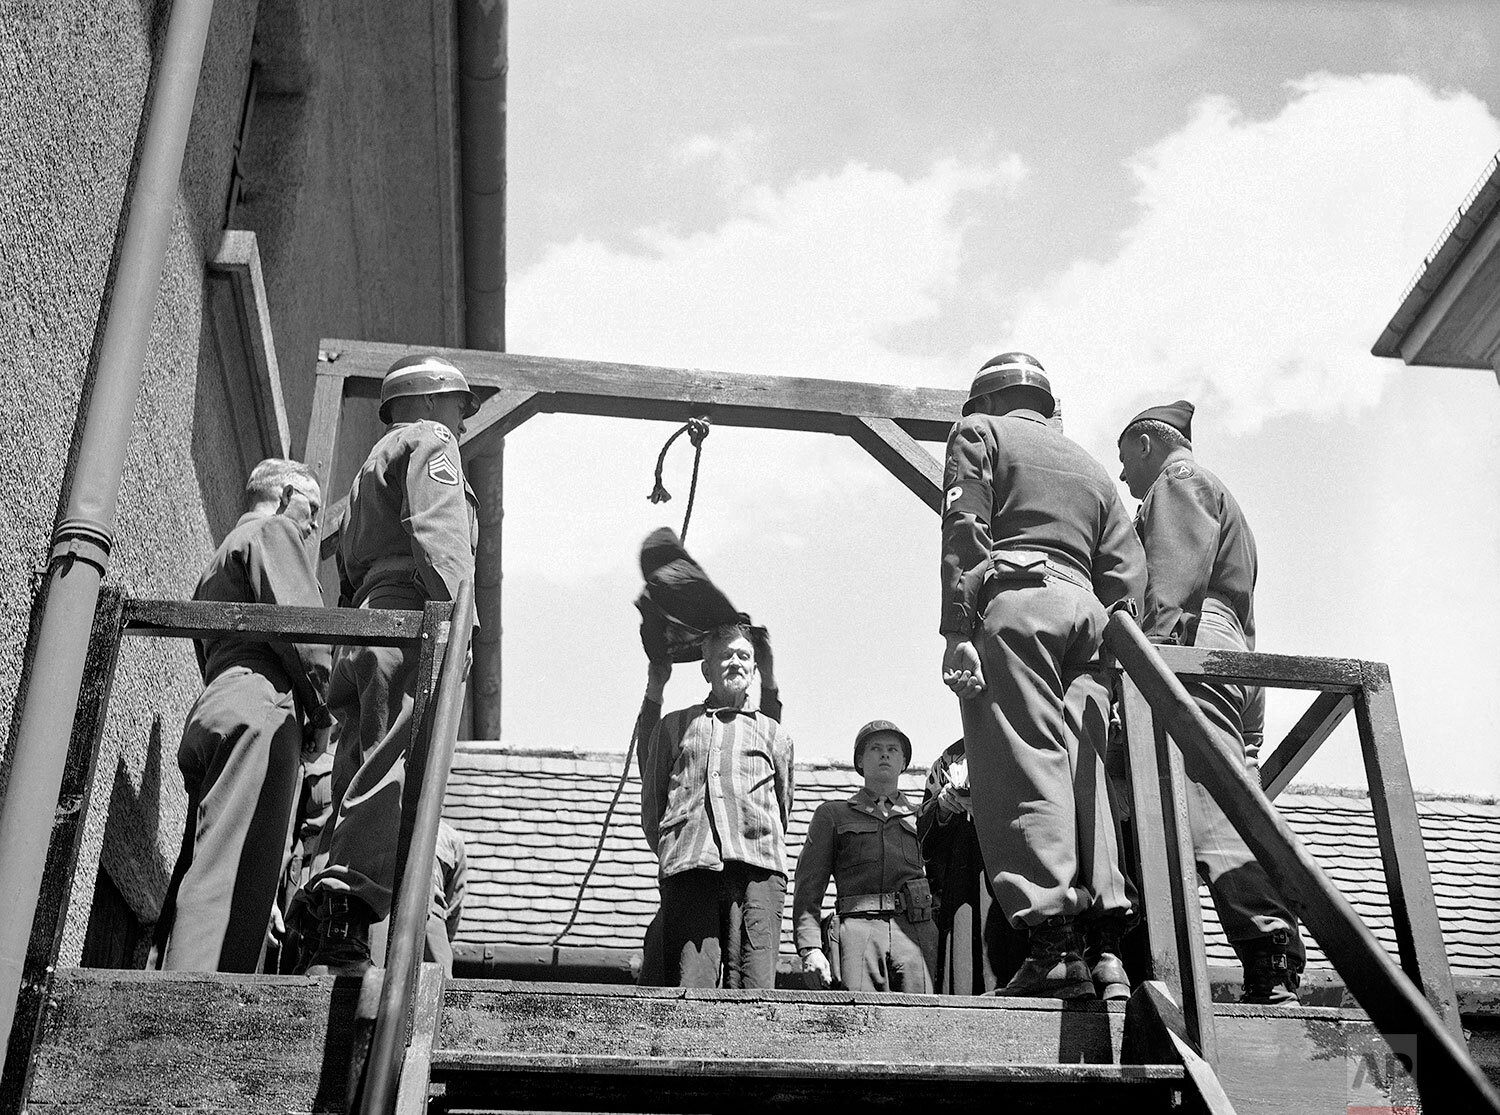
(1035, 742)
(371, 695)
(240, 754)
(885, 952)
(729, 919)
(1248, 903)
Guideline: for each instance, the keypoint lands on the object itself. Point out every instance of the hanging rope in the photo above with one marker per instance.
(696, 430)
(609, 813)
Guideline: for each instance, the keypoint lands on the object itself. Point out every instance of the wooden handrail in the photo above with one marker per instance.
(404, 956)
(1446, 1076)
(208, 619)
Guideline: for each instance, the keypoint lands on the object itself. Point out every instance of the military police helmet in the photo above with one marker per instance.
(423, 375)
(1011, 369)
(872, 728)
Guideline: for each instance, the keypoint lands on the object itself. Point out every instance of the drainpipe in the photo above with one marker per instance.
(82, 541)
(481, 113)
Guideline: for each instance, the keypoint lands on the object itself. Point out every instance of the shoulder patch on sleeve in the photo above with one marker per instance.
(1182, 470)
(443, 433)
(441, 469)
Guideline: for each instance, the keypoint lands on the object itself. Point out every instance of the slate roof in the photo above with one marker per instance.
(531, 820)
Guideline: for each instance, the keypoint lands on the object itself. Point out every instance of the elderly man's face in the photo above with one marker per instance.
(729, 666)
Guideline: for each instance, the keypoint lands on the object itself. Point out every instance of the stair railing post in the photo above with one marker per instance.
(1419, 936)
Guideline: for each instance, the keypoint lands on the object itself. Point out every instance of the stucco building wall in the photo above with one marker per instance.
(350, 191)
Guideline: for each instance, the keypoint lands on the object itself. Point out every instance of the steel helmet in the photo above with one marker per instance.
(423, 375)
(872, 728)
(1011, 369)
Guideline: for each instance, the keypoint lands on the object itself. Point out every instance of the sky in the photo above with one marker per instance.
(1221, 201)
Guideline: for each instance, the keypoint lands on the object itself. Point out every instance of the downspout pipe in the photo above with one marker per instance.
(83, 539)
(482, 50)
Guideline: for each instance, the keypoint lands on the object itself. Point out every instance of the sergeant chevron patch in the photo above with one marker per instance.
(441, 469)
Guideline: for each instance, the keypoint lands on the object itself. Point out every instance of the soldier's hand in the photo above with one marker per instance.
(276, 930)
(658, 672)
(961, 669)
(815, 964)
(316, 742)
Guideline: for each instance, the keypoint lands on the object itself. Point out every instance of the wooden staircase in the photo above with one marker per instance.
(134, 1042)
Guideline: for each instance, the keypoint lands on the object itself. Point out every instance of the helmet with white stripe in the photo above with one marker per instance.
(423, 375)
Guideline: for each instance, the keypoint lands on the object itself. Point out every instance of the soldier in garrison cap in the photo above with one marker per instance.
(408, 537)
(887, 939)
(1036, 547)
(242, 747)
(1200, 557)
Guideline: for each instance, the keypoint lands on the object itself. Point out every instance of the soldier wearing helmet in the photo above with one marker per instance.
(1036, 547)
(408, 537)
(885, 934)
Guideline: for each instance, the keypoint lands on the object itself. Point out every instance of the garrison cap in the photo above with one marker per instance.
(1178, 415)
(871, 729)
(1011, 369)
(423, 375)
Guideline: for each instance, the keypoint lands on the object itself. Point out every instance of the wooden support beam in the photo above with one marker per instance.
(1325, 714)
(498, 415)
(676, 394)
(197, 619)
(1279, 671)
(903, 457)
(323, 424)
(1419, 937)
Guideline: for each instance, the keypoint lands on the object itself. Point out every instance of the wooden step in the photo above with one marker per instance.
(566, 1082)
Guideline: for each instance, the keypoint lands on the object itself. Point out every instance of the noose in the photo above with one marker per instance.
(696, 430)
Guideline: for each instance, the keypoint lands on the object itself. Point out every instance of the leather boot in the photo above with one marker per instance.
(1053, 969)
(1272, 973)
(343, 947)
(1101, 951)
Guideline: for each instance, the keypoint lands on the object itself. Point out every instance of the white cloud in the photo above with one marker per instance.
(1267, 254)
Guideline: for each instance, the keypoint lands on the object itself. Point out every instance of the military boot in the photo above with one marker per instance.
(1101, 952)
(343, 947)
(1053, 969)
(1272, 973)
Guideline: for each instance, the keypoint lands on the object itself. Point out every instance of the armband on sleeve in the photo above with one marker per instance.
(972, 497)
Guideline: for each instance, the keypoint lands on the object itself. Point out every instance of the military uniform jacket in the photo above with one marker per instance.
(265, 560)
(864, 853)
(1011, 482)
(1198, 547)
(412, 518)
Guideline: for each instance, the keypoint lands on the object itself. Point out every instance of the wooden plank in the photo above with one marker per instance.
(200, 619)
(498, 415)
(178, 1041)
(1158, 849)
(1156, 1033)
(1197, 993)
(1419, 937)
(1324, 715)
(238, 262)
(1446, 1075)
(416, 1067)
(482, 1016)
(903, 457)
(676, 394)
(1278, 671)
(323, 423)
(58, 875)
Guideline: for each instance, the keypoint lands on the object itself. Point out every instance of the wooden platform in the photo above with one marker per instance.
(120, 1042)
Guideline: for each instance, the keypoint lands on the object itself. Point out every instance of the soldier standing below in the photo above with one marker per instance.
(715, 798)
(1036, 546)
(408, 537)
(1200, 555)
(887, 939)
(242, 745)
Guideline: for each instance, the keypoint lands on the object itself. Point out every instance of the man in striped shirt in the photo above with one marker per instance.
(715, 797)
